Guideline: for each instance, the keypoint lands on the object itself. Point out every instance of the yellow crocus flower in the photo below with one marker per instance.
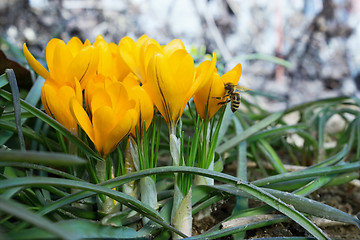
(56, 99)
(113, 116)
(171, 80)
(144, 104)
(133, 54)
(110, 61)
(205, 99)
(66, 61)
(69, 65)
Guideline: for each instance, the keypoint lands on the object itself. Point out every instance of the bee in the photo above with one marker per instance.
(232, 92)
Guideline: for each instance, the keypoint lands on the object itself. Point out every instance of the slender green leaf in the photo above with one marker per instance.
(265, 57)
(118, 196)
(39, 167)
(254, 224)
(314, 208)
(10, 207)
(34, 94)
(80, 229)
(3, 80)
(272, 156)
(249, 132)
(48, 158)
(277, 130)
(310, 172)
(9, 125)
(16, 103)
(274, 202)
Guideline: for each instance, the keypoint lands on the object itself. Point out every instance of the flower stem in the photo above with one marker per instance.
(181, 215)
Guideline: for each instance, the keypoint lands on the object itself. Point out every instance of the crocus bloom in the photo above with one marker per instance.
(171, 81)
(144, 104)
(68, 65)
(133, 54)
(205, 99)
(110, 61)
(113, 116)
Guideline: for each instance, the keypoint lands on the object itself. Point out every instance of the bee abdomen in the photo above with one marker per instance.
(235, 101)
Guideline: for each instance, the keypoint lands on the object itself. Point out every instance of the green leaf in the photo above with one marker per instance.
(80, 229)
(274, 202)
(265, 57)
(47, 158)
(272, 156)
(10, 126)
(16, 103)
(34, 94)
(252, 222)
(10, 207)
(249, 132)
(118, 196)
(315, 103)
(309, 172)
(3, 80)
(314, 208)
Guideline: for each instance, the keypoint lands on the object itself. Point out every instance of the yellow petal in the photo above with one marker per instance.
(87, 43)
(173, 46)
(147, 51)
(183, 82)
(145, 107)
(61, 62)
(66, 93)
(50, 52)
(100, 98)
(74, 45)
(131, 81)
(119, 97)
(83, 66)
(233, 75)
(205, 100)
(181, 66)
(169, 80)
(104, 121)
(81, 117)
(60, 108)
(119, 67)
(38, 68)
(78, 91)
(44, 99)
(120, 131)
(153, 89)
(129, 54)
(98, 81)
(141, 40)
(205, 71)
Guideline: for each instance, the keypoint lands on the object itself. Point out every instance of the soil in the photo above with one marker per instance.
(345, 197)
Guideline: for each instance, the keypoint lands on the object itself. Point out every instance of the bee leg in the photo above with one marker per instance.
(221, 103)
(225, 96)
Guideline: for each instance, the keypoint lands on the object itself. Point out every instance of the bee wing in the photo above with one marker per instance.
(242, 89)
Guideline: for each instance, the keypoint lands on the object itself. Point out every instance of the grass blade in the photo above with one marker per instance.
(47, 158)
(118, 196)
(16, 103)
(15, 209)
(276, 204)
(80, 229)
(249, 132)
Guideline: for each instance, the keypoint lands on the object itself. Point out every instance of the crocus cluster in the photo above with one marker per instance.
(108, 89)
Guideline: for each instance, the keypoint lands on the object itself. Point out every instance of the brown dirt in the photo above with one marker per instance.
(344, 197)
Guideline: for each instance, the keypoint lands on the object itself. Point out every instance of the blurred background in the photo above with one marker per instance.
(318, 39)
